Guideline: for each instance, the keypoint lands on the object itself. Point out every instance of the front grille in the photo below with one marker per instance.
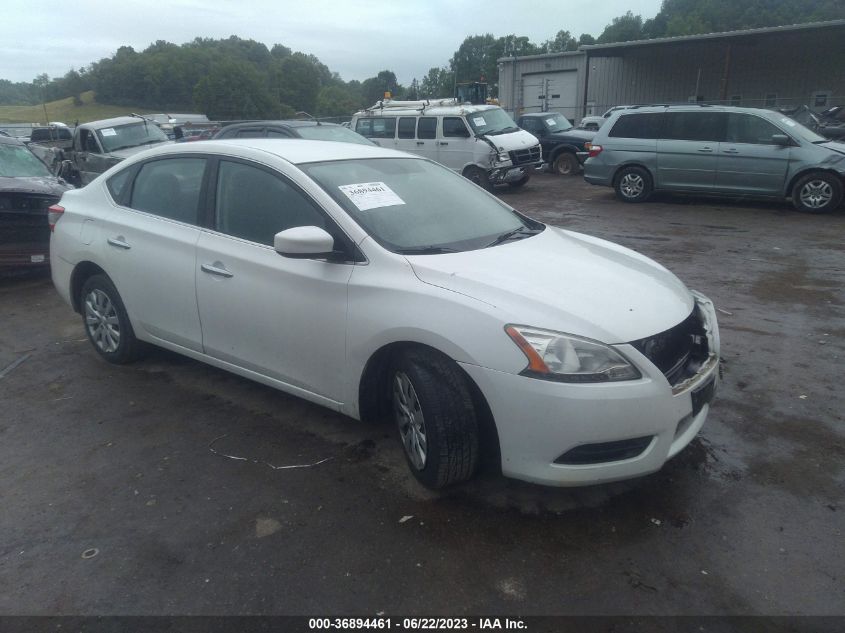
(603, 452)
(23, 219)
(525, 156)
(680, 351)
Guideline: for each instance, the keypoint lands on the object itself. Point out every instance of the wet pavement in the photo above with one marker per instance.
(120, 492)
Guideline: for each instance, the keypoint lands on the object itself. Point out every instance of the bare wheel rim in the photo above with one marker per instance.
(631, 185)
(816, 194)
(102, 321)
(564, 165)
(409, 418)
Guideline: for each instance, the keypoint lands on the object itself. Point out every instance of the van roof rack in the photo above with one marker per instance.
(419, 104)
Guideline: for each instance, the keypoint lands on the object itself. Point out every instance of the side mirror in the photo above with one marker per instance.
(304, 242)
(780, 139)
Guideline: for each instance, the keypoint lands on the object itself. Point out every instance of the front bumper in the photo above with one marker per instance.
(539, 422)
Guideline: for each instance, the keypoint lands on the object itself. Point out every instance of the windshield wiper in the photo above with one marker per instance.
(426, 250)
(523, 231)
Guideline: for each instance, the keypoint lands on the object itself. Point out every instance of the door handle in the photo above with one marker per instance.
(706, 149)
(119, 242)
(442, 143)
(216, 269)
(420, 142)
(731, 151)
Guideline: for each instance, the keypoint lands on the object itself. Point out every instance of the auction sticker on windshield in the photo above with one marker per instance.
(371, 195)
(479, 120)
(551, 121)
(108, 132)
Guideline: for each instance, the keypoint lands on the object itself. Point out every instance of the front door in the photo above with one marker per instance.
(456, 145)
(282, 318)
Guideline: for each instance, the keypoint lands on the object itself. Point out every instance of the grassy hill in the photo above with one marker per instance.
(65, 111)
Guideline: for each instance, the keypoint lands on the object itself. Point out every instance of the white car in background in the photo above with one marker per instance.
(595, 122)
(381, 284)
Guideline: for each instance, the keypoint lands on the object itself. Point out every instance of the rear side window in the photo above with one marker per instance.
(427, 127)
(250, 132)
(643, 125)
(747, 128)
(169, 188)
(695, 126)
(277, 134)
(255, 205)
(377, 127)
(407, 125)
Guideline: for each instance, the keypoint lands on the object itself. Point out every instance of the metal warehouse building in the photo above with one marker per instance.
(784, 66)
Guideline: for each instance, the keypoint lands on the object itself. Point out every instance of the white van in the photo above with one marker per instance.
(481, 142)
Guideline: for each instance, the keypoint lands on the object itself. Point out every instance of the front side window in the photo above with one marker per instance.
(746, 128)
(254, 204)
(427, 127)
(530, 124)
(376, 127)
(250, 132)
(695, 126)
(644, 125)
(556, 122)
(454, 127)
(130, 135)
(169, 188)
(417, 206)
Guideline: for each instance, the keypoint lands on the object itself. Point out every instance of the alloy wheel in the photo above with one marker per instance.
(409, 418)
(816, 194)
(102, 321)
(631, 185)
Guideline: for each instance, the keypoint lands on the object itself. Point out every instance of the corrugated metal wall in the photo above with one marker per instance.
(532, 70)
(794, 66)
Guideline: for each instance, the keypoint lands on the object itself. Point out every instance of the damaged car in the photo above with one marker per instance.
(383, 285)
(27, 190)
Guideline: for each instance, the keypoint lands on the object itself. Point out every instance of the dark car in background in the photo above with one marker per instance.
(312, 130)
(564, 146)
(27, 190)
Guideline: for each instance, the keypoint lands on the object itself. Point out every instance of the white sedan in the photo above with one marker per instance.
(382, 285)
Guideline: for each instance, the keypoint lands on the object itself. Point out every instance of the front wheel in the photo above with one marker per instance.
(435, 417)
(817, 193)
(633, 184)
(106, 322)
(478, 176)
(566, 164)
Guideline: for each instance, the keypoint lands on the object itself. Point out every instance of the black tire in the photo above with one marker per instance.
(445, 412)
(566, 164)
(519, 183)
(478, 176)
(817, 192)
(633, 184)
(106, 322)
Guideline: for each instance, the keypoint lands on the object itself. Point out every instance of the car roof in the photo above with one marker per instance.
(11, 140)
(296, 151)
(120, 120)
(278, 123)
(692, 107)
(538, 115)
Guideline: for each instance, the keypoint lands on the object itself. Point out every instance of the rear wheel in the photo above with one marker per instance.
(106, 323)
(633, 184)
(435, 417)
(478, 176)
(566, 164)
(819, 192)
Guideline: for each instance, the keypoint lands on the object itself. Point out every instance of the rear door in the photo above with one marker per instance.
(688, 152)
(150, 245)
(426, 143)
(749, 162)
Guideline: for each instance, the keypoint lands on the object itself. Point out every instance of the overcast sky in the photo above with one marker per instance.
(356, 39)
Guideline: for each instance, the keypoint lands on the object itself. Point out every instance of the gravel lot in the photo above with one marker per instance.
(113, 501)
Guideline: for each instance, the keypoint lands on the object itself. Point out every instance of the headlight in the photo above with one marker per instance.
(503, 156)
(566, 358)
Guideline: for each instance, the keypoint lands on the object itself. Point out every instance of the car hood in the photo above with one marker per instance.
(43, 185)
(836, 146)
(567, 282)
(574, 134)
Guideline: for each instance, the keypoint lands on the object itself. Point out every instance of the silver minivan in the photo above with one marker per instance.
(716, 150)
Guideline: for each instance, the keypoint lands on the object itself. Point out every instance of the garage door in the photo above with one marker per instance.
(562, 90)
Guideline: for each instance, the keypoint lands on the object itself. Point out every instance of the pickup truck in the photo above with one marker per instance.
(99, 145)
(564, 147)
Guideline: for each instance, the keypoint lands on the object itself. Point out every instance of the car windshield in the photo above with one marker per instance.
(492, 121)
(130, 135)
(414, 206)
(796, 129)
(332, 133)
(557, 123)
(17, 161)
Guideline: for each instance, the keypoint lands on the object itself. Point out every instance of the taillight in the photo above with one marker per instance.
(53, 215)
(595, 150)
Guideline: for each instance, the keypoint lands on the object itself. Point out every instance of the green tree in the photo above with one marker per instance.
(234, 90)
(438, 82)
(561, 42)
(337, 101)
(296, 82)
(625, 28)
